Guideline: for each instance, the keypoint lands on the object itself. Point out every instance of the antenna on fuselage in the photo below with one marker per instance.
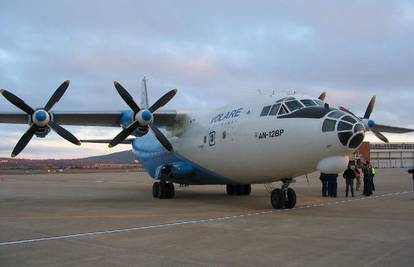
(144, 93)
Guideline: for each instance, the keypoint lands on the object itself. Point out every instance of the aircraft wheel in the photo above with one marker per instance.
(162, 190)
(155, 189)
(170, 190)
(290, 202)
(247, 189)
(230, 189)
(276, 198)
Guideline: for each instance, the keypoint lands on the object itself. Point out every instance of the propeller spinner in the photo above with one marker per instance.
(143, 118)
(40, 118)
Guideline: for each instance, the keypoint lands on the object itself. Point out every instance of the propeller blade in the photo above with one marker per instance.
(64, 133)
(24, 140)
(163, 100)
(322, 96)
(380, 136)
(161, 137)
(370, 108)
(126, 97)
(390, 129)
(15, 100)
(124, 134)
(57, 95)
(347, 111)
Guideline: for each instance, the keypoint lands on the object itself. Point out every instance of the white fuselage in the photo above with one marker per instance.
(239, 144)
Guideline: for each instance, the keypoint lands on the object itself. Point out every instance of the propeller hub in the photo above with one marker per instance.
(41, 118)
(371, 123)
(144, 117)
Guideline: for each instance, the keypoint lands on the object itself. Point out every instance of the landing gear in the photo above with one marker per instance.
(284, 198)
(163, 190)
(238, 189)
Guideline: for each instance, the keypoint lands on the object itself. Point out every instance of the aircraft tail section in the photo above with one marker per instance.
(144, 94)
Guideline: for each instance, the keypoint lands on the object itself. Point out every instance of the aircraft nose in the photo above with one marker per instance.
(351, 132)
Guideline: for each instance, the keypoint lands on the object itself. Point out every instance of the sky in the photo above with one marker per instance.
(214, 52)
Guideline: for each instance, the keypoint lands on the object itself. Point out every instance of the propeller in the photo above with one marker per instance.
(322, 96)
(143, 118)
(376, 129)
(40, 118)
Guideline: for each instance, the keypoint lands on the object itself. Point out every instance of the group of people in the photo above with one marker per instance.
(353, 172)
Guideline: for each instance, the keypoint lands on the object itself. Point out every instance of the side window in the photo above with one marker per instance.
(293, 105)
(265, 111)
(205, 139)
(274, 110)
(224, 134)
(308, 102)
(283, 110)
(328, 125)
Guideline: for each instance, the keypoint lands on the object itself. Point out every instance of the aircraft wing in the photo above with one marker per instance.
(168, 118)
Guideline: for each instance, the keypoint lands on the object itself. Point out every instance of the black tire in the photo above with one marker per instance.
(230, 189)
(170, 190)
(162, 190)
(291, 199)
(155, 190)
(277, 199)
(247, 189)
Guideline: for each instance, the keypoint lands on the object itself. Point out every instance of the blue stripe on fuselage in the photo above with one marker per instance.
(151, 154)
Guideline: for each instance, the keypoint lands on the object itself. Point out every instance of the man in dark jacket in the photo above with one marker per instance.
(349, 176)
(367, 180)
(411, 171)
(324, 181)
(332, 184)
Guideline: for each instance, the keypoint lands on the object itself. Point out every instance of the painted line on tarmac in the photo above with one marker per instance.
(165, 225)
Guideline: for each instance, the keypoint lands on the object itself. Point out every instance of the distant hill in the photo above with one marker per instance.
(117, 157)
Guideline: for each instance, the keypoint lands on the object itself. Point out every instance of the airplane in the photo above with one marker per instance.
(258, 141)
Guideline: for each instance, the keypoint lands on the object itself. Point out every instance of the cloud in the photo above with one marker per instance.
(213, 52)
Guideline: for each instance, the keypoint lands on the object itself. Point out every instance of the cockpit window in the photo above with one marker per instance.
(336, 114)
(343, 126)
(265, 111)
(328, 125)
(293, 105)
(308, 102)
(349, 119)
(283, 110)
(274, 109)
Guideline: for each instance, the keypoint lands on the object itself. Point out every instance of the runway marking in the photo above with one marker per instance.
(165, 225)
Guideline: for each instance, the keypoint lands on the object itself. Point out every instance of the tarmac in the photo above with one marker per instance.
(111, 219)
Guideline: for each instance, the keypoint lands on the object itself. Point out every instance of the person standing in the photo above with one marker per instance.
(367, 179)
(349, 176)
(324, 181)
(372, 175)
(411, 171)
(332, 184)
(358, 177)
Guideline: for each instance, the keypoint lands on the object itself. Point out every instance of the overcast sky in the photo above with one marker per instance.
(212, 51)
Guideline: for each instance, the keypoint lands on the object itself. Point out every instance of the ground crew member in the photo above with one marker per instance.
(412, 172)
(349, 176)
(358, 177)
(332, 184)
(324, 180)
(372, 175)
(367, 179)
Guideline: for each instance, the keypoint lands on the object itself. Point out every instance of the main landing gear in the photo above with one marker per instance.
(163, 190)
(284, 198)
(238, 189)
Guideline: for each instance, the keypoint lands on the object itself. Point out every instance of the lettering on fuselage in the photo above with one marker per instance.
(235, 113)
(270, 134)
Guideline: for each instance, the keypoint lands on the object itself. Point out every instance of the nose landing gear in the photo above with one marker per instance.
(163, 190)
(284, 198)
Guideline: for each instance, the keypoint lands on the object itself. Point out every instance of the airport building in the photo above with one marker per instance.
(383, 155)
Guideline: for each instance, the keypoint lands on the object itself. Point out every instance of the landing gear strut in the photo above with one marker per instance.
(284, 198)
(238, 189)
(163, 190)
